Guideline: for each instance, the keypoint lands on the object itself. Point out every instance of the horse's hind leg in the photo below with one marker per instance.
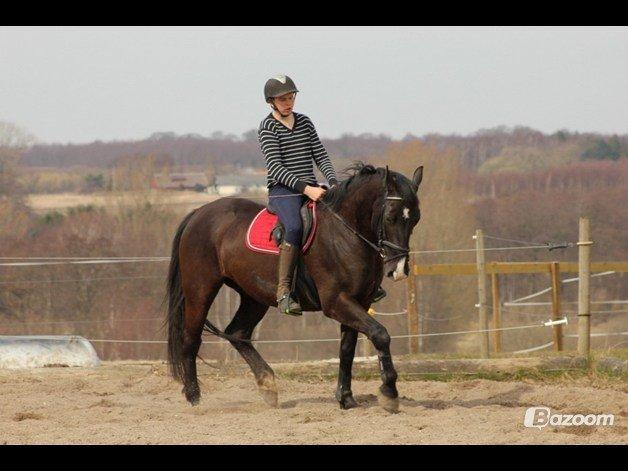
(241, 326)
(196, 307)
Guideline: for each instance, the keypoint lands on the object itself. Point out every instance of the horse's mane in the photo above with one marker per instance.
(359, 173)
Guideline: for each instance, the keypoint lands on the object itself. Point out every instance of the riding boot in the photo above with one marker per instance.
(288, 255)
(379, 294)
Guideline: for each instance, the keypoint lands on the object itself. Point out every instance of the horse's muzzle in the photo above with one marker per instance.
(397, 271)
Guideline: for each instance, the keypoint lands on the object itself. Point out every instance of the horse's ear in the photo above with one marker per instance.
(417, 177)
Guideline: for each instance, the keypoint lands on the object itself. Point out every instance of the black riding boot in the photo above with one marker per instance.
(288, 255)
(379, 294)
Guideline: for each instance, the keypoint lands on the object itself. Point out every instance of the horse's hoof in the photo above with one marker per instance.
(268, 390)
(389, 404)
(348, 402)
(193, 396)
(270, 397)
(345, 399)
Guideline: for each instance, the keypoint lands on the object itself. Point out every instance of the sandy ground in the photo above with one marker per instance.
(139, 403)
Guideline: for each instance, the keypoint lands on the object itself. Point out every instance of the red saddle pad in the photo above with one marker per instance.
(259, 238)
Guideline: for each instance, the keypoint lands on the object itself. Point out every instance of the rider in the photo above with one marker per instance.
(290, 143)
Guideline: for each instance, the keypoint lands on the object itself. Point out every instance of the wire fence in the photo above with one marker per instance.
(35, 261)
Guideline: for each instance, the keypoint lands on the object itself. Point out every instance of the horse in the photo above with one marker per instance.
(363, 231)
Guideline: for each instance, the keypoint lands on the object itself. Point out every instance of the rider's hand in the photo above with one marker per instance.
(314, 192)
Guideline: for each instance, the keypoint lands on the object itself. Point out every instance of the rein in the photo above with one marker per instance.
(381, 228)
(377, 248)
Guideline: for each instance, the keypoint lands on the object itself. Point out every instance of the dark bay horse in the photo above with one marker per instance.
(364, 227)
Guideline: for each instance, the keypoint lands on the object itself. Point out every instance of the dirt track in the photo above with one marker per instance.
(124, 403)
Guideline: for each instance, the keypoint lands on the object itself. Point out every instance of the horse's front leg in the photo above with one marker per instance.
(348, 340)
(350, 313)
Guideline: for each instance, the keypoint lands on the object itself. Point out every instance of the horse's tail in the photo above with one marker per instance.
(176, 302)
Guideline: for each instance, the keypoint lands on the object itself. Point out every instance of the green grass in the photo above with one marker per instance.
(523, 374)
(593, 371)
(618, 353)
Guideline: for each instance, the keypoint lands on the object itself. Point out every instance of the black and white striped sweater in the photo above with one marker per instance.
(290, 154)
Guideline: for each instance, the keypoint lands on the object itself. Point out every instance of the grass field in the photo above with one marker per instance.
(63, 201)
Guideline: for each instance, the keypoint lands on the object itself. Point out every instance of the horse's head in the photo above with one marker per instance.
(395, 214)
(391, 201)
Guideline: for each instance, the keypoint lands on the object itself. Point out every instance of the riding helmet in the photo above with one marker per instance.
(277, 86)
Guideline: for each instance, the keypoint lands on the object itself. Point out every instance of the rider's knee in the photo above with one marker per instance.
(293, 234)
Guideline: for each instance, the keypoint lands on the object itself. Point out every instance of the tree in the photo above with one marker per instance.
(13, 136)
(602, 149)
(133, 173)
(13, 142)
(447, 222)
(94, 183)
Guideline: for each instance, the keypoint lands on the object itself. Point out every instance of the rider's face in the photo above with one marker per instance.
(285, 103)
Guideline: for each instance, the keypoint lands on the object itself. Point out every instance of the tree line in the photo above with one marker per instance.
(495, 149)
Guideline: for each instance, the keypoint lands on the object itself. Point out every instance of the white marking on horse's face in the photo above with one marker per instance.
(399, 274)
(406, 213)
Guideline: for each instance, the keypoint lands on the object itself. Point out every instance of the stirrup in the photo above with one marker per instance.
(292, 308)
(379, 295)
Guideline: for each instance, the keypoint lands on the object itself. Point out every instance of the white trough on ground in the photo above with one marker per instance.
(37, 351)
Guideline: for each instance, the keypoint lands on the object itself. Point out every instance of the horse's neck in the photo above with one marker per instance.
(357, 210)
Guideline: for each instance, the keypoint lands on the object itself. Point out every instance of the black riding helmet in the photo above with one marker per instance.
(277, 86)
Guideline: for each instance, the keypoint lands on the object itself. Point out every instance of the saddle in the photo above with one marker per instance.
(265, 234)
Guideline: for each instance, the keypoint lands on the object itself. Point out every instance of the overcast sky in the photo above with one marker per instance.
(82, 84)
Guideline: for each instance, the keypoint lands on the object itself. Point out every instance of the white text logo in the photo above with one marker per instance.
(542, 416)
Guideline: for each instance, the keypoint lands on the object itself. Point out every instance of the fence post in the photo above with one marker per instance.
(481, 268)
(584, 273)
(556, 310)
(497, 313)
(421, 320)
(413, 314)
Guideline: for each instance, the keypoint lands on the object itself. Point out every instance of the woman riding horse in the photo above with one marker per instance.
(289, 142)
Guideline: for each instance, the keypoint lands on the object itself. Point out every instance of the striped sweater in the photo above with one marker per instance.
(290, 154)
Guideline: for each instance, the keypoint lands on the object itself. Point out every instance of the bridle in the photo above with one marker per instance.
(382, 242)
(381, 229)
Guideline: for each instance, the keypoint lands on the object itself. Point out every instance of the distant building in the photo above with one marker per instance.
(233, 184)
(180, 181)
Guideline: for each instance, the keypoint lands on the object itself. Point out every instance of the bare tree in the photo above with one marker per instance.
(14, 141)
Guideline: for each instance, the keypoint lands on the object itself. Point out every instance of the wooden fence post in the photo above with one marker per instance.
(584, 274)
(481, 268)
(497, 313)
(556, 309)
(411, 307)
(422, 321)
